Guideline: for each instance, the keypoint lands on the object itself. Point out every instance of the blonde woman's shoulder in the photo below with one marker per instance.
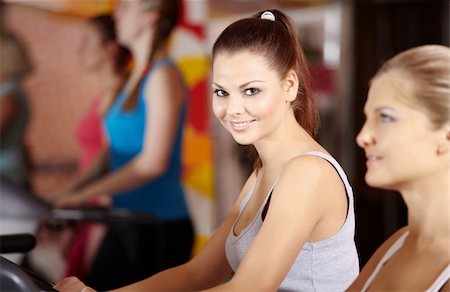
(375, 259)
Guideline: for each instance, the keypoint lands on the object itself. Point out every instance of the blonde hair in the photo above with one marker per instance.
(428, 68)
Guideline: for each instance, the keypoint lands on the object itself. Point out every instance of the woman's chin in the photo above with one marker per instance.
(241, 138)
(243, 142)
(373, 181)
(379, 183)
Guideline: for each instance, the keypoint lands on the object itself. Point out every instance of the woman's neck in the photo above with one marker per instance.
(141, 66)
(289, 141)
(428, 204)
(141, 49)
(110, 78)
(110, 82)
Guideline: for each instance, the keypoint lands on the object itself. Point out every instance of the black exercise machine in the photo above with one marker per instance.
(16, 203)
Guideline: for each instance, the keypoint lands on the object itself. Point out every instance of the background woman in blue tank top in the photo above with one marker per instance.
(144, 127)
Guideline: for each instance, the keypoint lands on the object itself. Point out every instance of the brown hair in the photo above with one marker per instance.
(168, 14)
(428, 68)
(277, 41)
(106, 28)
(14, 56)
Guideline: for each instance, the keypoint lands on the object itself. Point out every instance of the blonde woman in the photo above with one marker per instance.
(406, 138)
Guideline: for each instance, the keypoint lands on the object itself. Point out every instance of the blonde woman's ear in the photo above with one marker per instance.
(447, 132)
(444, 145)
(442, 149)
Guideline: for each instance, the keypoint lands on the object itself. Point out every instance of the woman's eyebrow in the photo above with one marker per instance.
(247, 83)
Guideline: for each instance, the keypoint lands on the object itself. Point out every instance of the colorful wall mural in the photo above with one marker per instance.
(189, 50)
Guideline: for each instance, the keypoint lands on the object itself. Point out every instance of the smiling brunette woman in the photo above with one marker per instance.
(292, 227)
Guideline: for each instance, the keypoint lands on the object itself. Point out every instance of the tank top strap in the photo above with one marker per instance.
(269, 194)
(247, 197)
(389, 253)
(327, 157)
(123, 95)
(339, 170)
(441, 280)
(161, 63)
(158, 64)
(250, 193)
(437, 284)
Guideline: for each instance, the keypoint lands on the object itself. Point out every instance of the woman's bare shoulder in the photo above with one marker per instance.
(370, 266)
(164, 81)
(312, 175)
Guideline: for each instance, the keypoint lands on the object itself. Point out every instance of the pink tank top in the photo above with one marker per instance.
(89, 134)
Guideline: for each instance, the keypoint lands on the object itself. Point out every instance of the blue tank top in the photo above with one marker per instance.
(163, 196)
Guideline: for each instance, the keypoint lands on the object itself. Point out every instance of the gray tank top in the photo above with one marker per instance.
(328, 265)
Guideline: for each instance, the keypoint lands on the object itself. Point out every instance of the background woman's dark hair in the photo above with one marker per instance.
(277, 41)
(169, 12)
(106, 28)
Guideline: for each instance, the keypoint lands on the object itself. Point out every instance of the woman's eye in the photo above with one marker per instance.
(220, 92)
(384, 118)
(251, 91)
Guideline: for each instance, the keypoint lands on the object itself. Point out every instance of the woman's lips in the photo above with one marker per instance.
(240, 126)
(371, 159)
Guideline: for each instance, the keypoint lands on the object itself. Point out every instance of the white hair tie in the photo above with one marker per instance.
(268, 15)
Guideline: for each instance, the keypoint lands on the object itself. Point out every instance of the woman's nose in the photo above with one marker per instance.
(364, 137)
(235, 105)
